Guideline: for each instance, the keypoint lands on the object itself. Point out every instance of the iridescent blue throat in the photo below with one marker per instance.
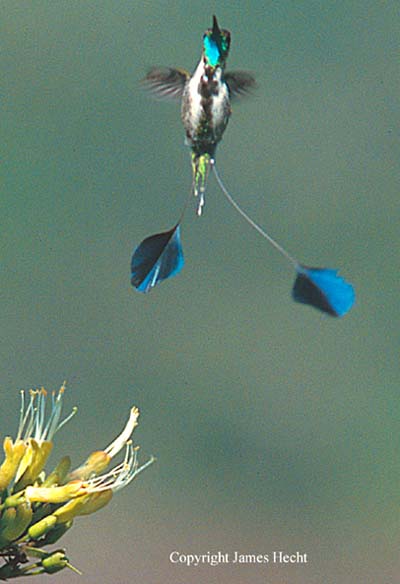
(211, 51)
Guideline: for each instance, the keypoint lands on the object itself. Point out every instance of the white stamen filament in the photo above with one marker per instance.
(119, 476)
(32, 419)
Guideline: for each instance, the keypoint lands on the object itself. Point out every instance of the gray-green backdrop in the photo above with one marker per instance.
(275, 427)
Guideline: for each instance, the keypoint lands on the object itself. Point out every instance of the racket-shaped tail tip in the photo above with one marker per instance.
(157, 258)
(323, 289)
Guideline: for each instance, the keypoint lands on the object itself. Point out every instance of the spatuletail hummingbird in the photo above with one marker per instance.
(206, 100)
(206, 97)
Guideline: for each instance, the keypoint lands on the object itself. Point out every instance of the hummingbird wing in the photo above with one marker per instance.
(166, 82)
(240, 83)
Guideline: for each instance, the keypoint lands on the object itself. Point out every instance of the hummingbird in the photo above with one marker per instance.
(206, 97)
(205, 100)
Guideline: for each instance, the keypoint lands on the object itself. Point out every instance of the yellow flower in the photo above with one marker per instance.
(27, 456)
(36, 510)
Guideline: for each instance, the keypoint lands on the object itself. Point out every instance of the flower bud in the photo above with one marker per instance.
(37, 530)
(55, 533)
(84, 505)
(58, 475)
(54, 563)
(95, 464)
(14, 522)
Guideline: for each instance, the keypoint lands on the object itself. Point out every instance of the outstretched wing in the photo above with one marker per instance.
(166, 82)
(240, 83)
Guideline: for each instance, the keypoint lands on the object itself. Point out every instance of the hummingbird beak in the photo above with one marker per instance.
(216, 32)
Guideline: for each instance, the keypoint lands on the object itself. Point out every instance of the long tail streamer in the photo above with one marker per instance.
(160, 257)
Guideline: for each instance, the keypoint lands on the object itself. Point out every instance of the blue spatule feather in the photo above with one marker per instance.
(323, 289)
(157, 258)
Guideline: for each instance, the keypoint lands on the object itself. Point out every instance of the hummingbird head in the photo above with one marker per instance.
(216, 44)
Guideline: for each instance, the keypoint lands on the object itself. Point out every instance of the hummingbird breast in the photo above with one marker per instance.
(205, 109)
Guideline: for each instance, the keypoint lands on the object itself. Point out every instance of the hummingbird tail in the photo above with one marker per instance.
(250, 221)
(321, 288)
(201, 169)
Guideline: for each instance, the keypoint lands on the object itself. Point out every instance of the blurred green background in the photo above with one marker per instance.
(275, 427)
